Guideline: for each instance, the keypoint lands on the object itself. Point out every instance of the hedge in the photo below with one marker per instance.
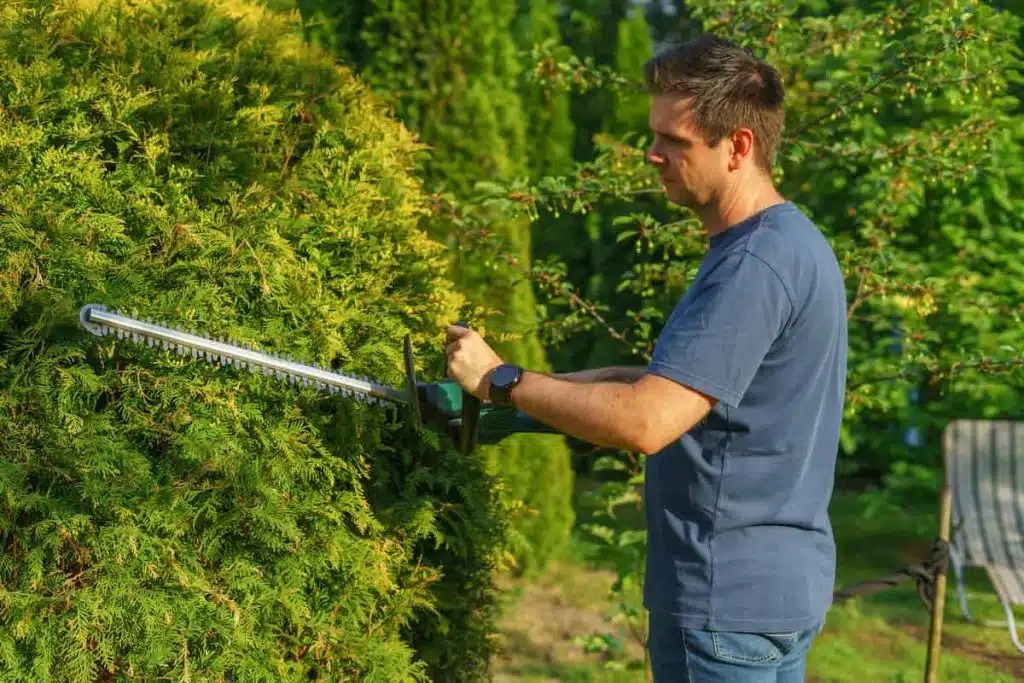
(193, 161)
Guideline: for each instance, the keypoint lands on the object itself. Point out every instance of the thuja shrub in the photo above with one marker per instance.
(161, 518)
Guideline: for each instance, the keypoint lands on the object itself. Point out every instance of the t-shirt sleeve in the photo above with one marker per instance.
(718, 336)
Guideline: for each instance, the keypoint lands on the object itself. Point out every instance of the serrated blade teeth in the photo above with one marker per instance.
(218, 349)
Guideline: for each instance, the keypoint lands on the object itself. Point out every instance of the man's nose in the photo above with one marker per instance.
(655, 157)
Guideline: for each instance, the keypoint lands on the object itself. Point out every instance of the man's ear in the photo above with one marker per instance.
(742, 142)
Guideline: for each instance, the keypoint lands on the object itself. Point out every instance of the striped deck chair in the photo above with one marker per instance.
(984, 462)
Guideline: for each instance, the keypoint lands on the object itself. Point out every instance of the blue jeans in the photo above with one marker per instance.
(682, 655)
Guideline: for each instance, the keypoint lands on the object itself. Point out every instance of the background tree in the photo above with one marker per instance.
(451, 71)
(951, 87)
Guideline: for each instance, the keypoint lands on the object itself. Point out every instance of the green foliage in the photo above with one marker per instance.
(902, 130)
(194, 161)
(451, 71)
(903, 143)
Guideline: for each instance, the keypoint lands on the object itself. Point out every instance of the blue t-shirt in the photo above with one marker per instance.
(739, 537)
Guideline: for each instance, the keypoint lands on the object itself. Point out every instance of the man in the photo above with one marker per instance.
(741, 404)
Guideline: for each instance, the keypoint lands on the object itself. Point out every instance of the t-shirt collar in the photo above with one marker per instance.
(746, 226)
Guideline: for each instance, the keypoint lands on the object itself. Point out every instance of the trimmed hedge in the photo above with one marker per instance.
(193, 161)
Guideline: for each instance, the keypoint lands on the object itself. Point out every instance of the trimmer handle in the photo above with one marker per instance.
(470, 427)
(412, 386)
(443, 405)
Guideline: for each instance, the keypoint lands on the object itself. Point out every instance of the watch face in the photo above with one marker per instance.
(504, 375)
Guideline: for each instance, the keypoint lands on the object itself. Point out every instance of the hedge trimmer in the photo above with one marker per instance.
(442, 405)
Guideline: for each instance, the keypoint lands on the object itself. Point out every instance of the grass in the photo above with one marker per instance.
(879, 638)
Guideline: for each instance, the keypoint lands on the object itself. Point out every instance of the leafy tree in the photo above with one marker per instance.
(861, 96)
(194, 161)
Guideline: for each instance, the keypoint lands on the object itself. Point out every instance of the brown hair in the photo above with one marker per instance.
(729, 88)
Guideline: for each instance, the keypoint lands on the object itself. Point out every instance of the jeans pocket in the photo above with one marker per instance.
(752, 648)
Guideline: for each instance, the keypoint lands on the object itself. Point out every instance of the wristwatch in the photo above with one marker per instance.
(504, 378)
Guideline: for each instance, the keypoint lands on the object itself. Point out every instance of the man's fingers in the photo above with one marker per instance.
(455, 332)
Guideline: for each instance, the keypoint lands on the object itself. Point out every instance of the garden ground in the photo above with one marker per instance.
(880, 638)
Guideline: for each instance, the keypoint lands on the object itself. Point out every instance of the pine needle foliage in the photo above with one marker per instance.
(195, 162)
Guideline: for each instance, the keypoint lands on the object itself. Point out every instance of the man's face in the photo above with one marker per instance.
(693, 174)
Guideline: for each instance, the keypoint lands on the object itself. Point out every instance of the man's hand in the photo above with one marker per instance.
(470, 361)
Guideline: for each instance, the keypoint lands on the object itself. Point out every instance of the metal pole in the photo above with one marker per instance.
(939, 600)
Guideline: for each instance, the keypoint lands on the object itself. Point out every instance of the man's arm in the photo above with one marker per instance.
(643, 416)
(708, 352)
(616, 373)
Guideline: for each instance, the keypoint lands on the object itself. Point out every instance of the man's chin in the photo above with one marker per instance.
(678, 195)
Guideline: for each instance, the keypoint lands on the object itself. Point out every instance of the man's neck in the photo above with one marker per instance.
(738, 205)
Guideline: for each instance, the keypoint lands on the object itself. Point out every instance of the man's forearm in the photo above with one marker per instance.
(617, 373)
(599, 412)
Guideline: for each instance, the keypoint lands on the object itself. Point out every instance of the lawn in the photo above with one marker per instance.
(879, 638)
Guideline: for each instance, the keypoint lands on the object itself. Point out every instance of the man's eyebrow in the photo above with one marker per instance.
(671, 136)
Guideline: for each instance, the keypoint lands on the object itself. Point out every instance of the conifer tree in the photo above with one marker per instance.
(451, 70)
(613, 35)
(194, 161)
(550, 129)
